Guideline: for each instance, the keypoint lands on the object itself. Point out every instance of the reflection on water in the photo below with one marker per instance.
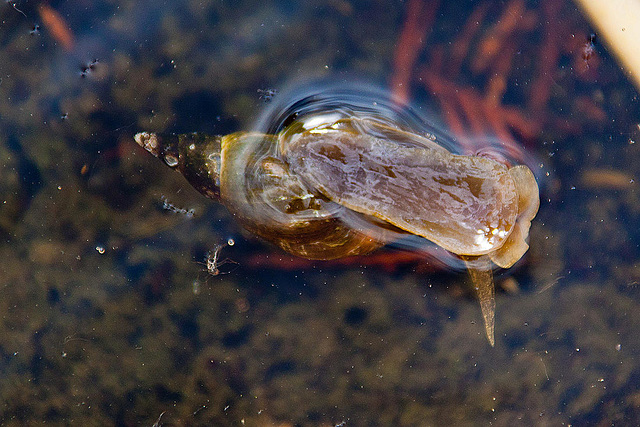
(118, 335)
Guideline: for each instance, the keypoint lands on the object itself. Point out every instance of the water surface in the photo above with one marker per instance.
(108, 313)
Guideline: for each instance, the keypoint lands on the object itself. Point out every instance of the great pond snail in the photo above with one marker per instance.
(329, 185)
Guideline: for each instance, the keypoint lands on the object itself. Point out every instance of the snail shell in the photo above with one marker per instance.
(347, 186)
(259, 188)
(332, 191)
(246, 173)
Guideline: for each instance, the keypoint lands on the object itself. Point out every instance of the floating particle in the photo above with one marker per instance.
(87, 69)
(589, 48)
(196, 287)
(166, 205)
(213, 261)
(267, 94)
(13, 4)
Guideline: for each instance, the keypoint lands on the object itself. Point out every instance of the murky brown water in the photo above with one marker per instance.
(108, 313)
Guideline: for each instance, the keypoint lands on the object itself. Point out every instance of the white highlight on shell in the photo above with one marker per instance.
(171, 160)
(149, 141)
(319, 120)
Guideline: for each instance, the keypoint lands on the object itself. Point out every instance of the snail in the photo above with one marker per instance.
(328, 185)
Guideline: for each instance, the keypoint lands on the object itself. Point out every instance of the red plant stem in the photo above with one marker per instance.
(497, 85)
(471, 105)
(438, 87)
(496, 37)
(420, 17)
(460, 47)
(56, 25)
(541, 87)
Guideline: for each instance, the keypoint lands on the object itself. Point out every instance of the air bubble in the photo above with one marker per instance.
(171, 160)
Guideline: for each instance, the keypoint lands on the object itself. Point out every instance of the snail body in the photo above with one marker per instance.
(333, 187)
